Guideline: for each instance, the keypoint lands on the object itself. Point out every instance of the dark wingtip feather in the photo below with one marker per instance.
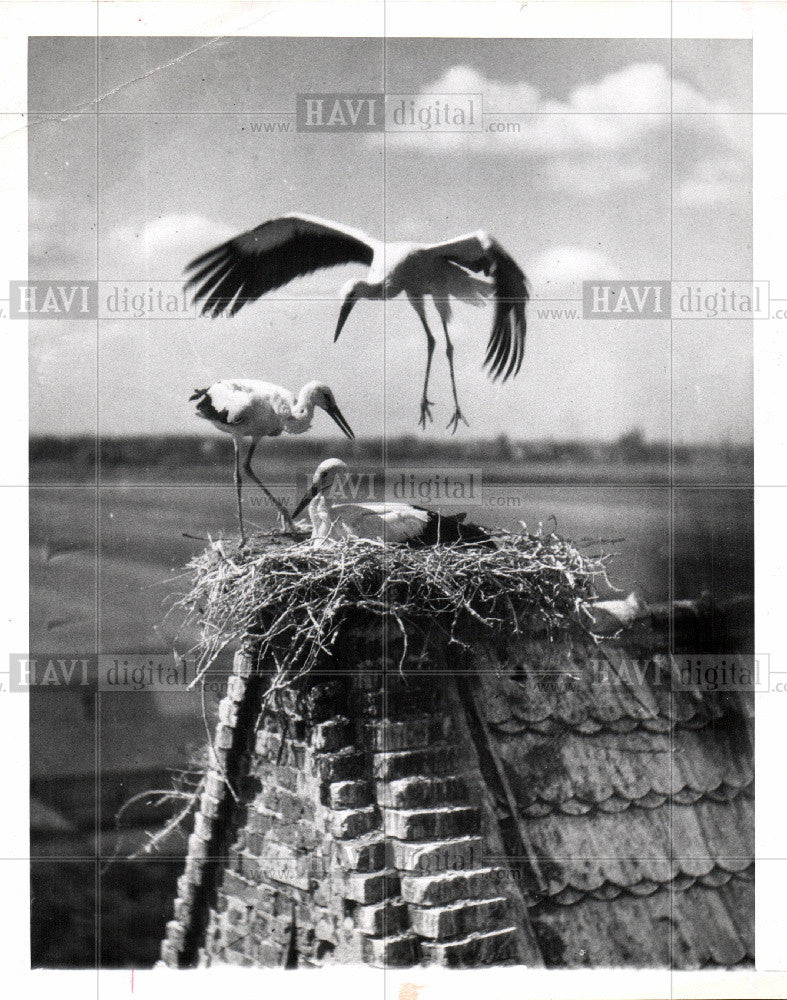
(506, 346)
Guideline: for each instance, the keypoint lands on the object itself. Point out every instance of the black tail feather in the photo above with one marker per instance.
(451, 529)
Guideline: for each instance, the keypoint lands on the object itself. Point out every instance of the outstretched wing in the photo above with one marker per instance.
(241, 270)
(480, 253)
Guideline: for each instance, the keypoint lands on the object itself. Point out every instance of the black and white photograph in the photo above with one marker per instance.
(388, 398)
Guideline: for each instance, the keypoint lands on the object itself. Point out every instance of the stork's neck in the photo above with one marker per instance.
(320, 516)
(303, 411)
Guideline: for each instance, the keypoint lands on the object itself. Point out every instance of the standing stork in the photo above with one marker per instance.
(247, 408)
(381, 521)
(274, 253)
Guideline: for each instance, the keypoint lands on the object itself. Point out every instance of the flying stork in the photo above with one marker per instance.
(274, 253)
(248, 408)
(381, 521)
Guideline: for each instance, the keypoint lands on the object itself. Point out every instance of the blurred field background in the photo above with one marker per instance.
(108, 544)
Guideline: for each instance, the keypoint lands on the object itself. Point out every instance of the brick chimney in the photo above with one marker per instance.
(351, 825)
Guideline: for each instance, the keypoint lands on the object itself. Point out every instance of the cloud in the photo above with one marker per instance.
(713, 182)
(185, 234)
(609, 134)
(560, 271)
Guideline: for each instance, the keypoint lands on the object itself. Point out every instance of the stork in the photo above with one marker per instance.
(381, 521)
(248, 408)
(274, 253)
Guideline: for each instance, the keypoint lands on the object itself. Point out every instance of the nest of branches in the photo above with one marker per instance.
(292, 600)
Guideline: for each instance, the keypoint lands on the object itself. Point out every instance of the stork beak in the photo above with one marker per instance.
(305, 500)
(335, 413)
(344, 312)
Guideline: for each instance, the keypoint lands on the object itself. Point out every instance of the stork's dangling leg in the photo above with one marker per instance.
(418, 305)
(236, 445)
(453, 423)
(284, 514)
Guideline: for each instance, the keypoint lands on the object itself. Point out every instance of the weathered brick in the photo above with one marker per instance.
(240, 888)
(458, 919)
(349, 794)
(224, 737)
(260, 924)
(254, 843)
(238, 914)
(203, 827)
(228, 712)
(283, 900)
(268, 954)
(435, 760)
(233, 957)
(325, 929)
(456, 854)
(346, 824)
(176, 933)
(169, 954)
(365, 855)
(280, 750)
(280, 929)
(383, 919)
(209, 805)
(181, 910)
(282, 863)
(447, 887)
(268, 744)
(345, 765)
(249, 867)
(263, 820)
(333, 734)
(186, 889)
(194, 870)
(215, 785)
(370, 887)
(398, 951)
(236, 687)
(278, 774)
(299, 834)
(490, 948)
(407, 734)
(242, 664)
(426, 824)
(285, 803)
(418, 792)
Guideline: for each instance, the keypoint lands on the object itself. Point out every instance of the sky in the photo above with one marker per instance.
(595, 185)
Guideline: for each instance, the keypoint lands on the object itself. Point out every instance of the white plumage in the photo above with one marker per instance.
(378, 520)
(611, 616)
(275, 252)
(248, 408)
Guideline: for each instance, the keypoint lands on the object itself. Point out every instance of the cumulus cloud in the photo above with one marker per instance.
(560, 271)
(180, 232)
(713, 182)
(608, 134)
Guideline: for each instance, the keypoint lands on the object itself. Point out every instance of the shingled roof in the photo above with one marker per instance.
(633, 804)
(531, 801)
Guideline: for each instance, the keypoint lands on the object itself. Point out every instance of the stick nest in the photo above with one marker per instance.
(292, 599)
